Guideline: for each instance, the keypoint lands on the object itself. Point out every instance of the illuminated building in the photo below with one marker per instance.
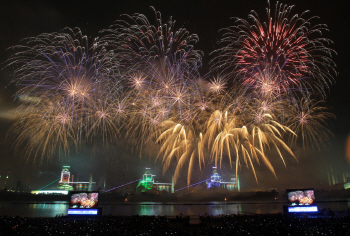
(217, 181)
(148, 183)
(64, 183)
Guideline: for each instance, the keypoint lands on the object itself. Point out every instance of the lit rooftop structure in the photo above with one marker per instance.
(217, 181)
(66, 184)
(148, 183)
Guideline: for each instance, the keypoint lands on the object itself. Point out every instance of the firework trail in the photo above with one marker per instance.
(182, 143)
(245, 137)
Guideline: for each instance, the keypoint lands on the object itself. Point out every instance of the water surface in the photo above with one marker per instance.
(52, 209)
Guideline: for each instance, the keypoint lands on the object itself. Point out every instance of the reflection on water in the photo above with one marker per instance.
(156, 208)
(33, 210)
(222, 209)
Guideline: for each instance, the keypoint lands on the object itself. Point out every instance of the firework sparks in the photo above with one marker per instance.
(181, 143)
(142, 80)
(286, 46)
(61, 69)
(44, 131)
(217, 85)
(309, 120)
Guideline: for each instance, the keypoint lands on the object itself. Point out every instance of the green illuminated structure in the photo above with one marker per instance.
(147, 183)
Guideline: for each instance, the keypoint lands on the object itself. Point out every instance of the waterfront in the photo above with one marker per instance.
(51, 209)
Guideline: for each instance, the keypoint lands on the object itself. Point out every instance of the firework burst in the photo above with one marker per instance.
(309, 119)
(182, 143)
(286, 46)
(41, 132)
(162, 69)
(64, 71)
(247, 141)
(137, 42)
(141, 80)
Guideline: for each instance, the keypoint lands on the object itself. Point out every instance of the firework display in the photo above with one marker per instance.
(301, 197)
(141, 81)
(71, 82)
(83, 200)
(283, 53)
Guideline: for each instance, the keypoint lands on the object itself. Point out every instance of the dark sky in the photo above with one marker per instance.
(20, 19)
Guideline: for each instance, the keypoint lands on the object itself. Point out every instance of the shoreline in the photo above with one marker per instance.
(196, 198)
(169, 203)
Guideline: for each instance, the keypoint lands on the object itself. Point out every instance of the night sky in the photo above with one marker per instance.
(21, 19)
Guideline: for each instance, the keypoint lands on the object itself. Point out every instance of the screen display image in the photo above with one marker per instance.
(301, 197)
(83, 200)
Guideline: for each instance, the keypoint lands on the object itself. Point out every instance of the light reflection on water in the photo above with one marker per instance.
(156, 208)
(33, 209)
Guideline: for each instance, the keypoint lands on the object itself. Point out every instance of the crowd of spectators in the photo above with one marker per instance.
(270, 224)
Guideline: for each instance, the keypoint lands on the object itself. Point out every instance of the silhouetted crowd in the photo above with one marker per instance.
(274, 224)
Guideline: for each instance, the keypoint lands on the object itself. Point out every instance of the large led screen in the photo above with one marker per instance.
(83, 200)
(301, 197)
